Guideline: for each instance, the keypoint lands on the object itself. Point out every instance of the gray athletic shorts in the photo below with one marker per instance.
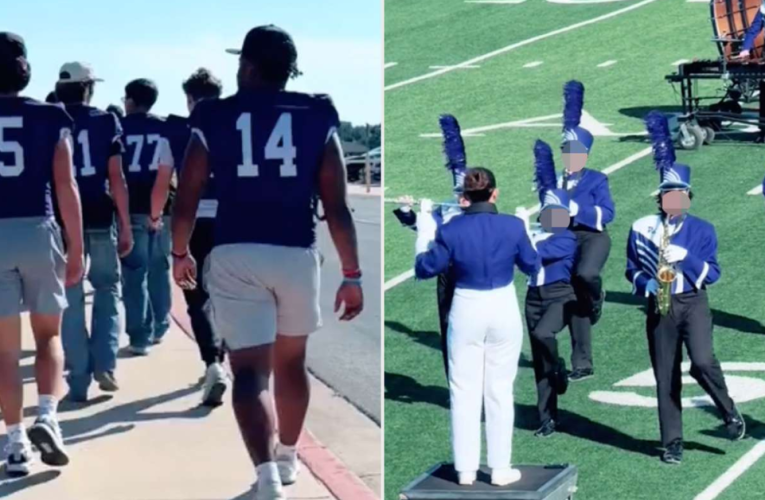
(32, 267)
(259, 290)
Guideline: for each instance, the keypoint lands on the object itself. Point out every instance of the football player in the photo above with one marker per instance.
(98, 168)
(201, 85)
(272, 152)
(148, 166)
(35, 158)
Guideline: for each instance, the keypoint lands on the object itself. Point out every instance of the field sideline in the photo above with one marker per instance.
(505, 102)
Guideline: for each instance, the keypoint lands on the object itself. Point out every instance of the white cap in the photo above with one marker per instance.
(72, 72)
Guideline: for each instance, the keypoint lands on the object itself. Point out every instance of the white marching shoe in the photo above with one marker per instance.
(287, 462)
(466, 478)
(503, 477)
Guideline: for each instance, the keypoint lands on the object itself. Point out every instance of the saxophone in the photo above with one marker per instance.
(665, 275)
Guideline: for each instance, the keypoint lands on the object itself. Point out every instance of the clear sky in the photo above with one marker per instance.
(339, 45)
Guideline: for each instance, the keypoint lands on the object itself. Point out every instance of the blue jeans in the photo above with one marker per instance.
(95, 353)
(146, 280)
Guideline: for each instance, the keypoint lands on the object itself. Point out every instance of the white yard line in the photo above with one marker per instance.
(459, 66)
(496, 1)
(533, 64)
(607, 64)
(389, 65)
(730, 475)
(756, 191)
(681, 61)
(523, 43)
(533, 210)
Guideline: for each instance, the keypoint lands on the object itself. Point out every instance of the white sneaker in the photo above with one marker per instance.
(138, 351)
(46, 436)
(270, 490)
(287, 462)
(503, 477)
(215, 384)
(466, 478)
(18, 458)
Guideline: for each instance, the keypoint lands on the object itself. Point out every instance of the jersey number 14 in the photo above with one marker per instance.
(278, 147)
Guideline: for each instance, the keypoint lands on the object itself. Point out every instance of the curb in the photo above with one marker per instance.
(327, 468)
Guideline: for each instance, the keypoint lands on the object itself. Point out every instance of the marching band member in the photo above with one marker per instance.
(671, 259)
(454, 151)
(592, 209)
(752, 32)
(485, 329)
(550, 294)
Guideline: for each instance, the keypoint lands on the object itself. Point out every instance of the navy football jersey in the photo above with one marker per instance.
(144, 136)
(97, 137)
(265, 150)
(179, 134)
(29, 132)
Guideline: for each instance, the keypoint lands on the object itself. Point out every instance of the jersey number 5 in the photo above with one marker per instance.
(14, 169)
(278, 147)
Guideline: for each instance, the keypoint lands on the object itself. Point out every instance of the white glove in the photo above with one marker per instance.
(426, 227)
(652, 286)
(523, 214)
(573, 208)
(674, 253)
(406, 203)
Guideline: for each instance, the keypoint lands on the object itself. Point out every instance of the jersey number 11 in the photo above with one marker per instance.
(278, 147)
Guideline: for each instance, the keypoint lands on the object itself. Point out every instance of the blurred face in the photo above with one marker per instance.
(675, 203)
(130, 106)
(190, 103)
(574, 162)
(554, 220)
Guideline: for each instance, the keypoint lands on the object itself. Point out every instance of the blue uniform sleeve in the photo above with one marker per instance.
(435, 261)
(198, 121)
(601, 212)
(556, 248)
(702, 268)
(635, 274)
(333, 119)
(527, 259)
(753, 31)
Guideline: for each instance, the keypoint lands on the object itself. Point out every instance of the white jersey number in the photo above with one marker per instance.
(278, 147)
(14, 169)
(87, 168)
(138, 140)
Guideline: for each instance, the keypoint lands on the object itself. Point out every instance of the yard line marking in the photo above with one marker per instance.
(523, 43)
(607, 64)
(655, 193)
(681, 61)
(459, 66)
(756, 191)
(533, 64)
(730, 475)
(497, 1)
(533, 210)
(389, 65)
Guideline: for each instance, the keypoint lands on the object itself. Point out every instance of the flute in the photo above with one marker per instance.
(417, 202)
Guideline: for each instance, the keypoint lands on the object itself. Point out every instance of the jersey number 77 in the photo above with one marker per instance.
(278, 147)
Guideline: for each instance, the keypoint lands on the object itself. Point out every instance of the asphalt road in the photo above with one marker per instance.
(346, 356)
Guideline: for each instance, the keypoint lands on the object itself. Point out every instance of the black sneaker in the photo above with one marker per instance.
(547, 429)
(583, 374)
(561, 377)
(19, 458)
(106, 381)
(45, 434)
(674, 453)
(735, 426)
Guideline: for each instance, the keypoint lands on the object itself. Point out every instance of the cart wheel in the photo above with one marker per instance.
(691, 137)
(709, 135)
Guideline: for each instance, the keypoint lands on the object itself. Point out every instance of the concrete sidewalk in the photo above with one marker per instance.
(151, 441)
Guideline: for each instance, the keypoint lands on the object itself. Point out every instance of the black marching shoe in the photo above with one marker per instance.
(547, 429)
(674, 453)
(735, 426)
(561, 377)
(581, 374)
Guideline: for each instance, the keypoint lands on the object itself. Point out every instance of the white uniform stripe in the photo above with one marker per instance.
(702, 276)
(598, 218)
(201, 136)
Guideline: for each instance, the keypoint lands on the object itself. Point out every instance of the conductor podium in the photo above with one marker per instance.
(538, 482)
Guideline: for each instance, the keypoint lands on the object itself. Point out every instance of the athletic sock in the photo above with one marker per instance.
(287, 451)
(17, 433)
(47, 406)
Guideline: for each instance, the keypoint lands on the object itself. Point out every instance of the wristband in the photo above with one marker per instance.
(155, 219)
(352, 274)
(180, 255)
(351, 281)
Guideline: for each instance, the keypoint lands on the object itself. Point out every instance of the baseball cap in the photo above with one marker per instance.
(267, 43)
(11, 46)
(73, 72)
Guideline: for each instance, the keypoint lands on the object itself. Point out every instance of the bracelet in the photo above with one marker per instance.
(353, 274)
(181, 255)
(351, 281)
(155, 219)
